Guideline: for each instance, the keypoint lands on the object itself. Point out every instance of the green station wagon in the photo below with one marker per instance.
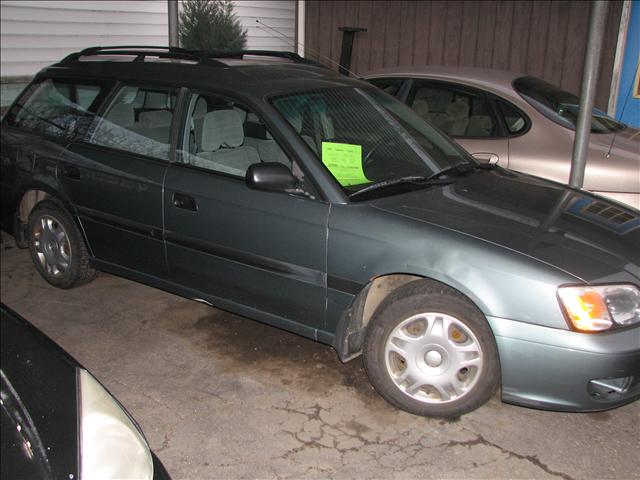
(271, 187)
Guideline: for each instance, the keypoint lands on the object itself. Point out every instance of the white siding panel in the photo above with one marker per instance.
(34, 34)
(127, 32)
(82, 16)
(105, 6)
(278, 15)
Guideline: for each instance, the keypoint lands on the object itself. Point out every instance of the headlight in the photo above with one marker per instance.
(111, 445)
(598, 308)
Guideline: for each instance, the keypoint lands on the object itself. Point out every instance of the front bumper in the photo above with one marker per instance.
(562, 370)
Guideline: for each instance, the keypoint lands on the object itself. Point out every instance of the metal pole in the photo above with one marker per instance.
(589, 80)
(173, 23)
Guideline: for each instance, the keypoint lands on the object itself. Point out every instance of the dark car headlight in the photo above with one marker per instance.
(111, 445)
(600, 308)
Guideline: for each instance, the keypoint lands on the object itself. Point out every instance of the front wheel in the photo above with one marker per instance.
(57, 248)
(431, 352)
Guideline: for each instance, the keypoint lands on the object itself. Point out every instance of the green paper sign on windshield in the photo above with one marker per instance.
(344, 161)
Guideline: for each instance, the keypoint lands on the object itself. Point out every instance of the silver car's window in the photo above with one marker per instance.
(363, 136)
(560, 105)
(459, 112)
(514, 120)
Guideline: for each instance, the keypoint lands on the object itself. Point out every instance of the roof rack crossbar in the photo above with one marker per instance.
(142, 51)
(294, 57)
(203, 57)
(91, 50)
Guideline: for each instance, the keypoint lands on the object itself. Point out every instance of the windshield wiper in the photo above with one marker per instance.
(413, 179)
(433, 179)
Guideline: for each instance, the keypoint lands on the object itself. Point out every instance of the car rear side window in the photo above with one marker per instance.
(458, 111)
(57, 108)
(138, 120)
(514, 120)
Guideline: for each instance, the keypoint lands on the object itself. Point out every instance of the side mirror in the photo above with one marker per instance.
(270, 177)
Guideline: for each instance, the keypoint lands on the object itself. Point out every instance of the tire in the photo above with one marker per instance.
(57, 248)
(429, 351)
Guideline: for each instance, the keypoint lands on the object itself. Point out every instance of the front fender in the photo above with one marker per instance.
(499, 281)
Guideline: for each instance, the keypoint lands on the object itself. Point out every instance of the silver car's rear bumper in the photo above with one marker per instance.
(562, 370)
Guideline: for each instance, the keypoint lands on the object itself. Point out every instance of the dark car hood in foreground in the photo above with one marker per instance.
(39, 397)
(587, 236)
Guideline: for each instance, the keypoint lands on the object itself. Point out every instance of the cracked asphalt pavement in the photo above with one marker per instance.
(221, 396)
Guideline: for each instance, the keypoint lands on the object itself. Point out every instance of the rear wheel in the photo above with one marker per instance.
(57, 248)
(431, 352)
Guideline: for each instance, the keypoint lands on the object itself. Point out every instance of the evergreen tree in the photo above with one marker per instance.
(210, 25)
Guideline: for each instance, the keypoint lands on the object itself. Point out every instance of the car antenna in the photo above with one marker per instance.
(613, 141)
(300, 44)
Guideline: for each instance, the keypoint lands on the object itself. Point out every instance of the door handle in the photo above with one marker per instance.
(71, 172)
(491, 158)
(185, 202)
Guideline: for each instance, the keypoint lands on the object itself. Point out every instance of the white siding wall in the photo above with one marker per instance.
(34, 34)
(279, 15)
(37, 33)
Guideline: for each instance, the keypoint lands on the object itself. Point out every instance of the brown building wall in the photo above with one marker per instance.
(542, 38)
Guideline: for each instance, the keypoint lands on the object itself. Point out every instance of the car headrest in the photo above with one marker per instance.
(155, 119)
(122, 114)
(155, 100)
(222, 128)
(243, 113)
(421, 107)
(458, 110)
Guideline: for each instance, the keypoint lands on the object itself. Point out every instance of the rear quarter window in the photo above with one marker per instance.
(58, 108)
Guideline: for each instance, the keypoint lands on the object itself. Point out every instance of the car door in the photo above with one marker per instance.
(465, 114)
(114, 177)
(262, 251)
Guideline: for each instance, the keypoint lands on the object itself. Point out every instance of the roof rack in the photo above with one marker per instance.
(140, 52)
(203, 57)
(294, 57)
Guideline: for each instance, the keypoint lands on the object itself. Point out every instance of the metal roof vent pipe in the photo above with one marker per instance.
(347, 46)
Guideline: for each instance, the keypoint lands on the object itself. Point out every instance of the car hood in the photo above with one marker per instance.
(587, 236)
(39, 394)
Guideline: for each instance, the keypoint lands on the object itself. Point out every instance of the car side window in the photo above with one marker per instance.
(56, 107)
(225, 136)
(138, 120)
(514, 120)
(388, 85)
(459, 112)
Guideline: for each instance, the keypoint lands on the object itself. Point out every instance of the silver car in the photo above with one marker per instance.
(519, 122)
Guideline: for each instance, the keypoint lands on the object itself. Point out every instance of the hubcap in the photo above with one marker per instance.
(433, 357)
(52, 246)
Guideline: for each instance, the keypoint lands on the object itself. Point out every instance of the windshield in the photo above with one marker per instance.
(561, 106)
(363, 136)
